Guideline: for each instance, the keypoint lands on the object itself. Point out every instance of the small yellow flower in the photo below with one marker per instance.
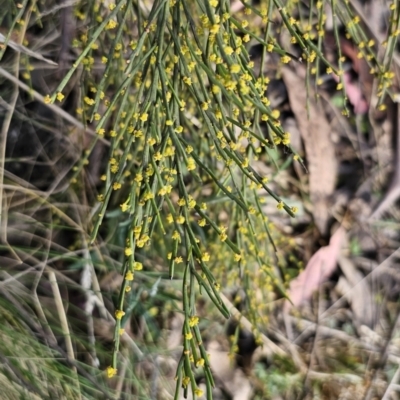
(111, 372)
(189, 336)
(162, 191)
(228, 50)
(47, 99)
(138, 177)
(200, 362)
(202, 222)
(237, 257)
(158, 156)
(60, 96)
(286, 138)
(137, 266)
(191, 165)
(180, 219)
(119, 314)
(191, 202)
(215, 89)
(214, 29)
(128, 251)
(280, 205)
(88, 101)
(275, 114)
(111, 24)
(205, 257)
(129, 276)
(144, 117)
(235, 68)
(142, 241)
(185, 381)
(176, 236)
(124, 207)
(266, 101)
(193, 321)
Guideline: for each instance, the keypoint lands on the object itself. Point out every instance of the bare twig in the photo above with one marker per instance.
(22, 49)
(393, 192)
(249, 326)
(392, 385)
(63, 318)
(61, 314)
(57, 110)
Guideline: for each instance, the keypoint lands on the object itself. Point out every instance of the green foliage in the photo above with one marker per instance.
(170, 88)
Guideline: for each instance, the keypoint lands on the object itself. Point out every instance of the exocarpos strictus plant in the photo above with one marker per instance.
(177, 97)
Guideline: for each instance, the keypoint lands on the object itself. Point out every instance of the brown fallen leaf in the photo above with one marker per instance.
(320, 153)
(318, 269)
